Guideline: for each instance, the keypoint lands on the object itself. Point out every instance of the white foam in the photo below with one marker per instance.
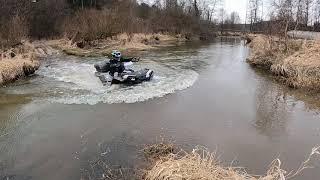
(80, 75)
(81, 86)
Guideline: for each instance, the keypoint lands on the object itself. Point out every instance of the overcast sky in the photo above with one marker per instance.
(239, 6)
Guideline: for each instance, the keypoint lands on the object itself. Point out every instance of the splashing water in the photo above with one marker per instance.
(72, 81)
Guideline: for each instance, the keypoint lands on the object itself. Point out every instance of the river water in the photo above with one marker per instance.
(55, 124)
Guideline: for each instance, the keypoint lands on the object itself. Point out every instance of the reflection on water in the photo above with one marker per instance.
(107, 162)
(50, 132)
(272, 110)
(9, 108)
(276, 104)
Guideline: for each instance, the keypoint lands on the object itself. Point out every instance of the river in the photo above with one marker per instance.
(55, 124)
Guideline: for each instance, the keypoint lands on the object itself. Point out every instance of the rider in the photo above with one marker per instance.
(117, 64)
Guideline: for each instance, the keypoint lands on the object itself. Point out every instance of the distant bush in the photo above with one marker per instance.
(90, 24)
(14, 31)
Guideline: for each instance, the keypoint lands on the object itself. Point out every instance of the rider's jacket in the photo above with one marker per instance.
(117, 65)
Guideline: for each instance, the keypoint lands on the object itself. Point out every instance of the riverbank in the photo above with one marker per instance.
(128, 44)
(295, 63)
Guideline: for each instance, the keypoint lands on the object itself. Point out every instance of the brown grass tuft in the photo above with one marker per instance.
(14, 68)
(156, 151)
(17, 62)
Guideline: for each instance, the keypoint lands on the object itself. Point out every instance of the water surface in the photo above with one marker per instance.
(57, 123)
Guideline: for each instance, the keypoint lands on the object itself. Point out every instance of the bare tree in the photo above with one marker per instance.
(283, 17)
(254, 12)
(234, 18)
(308, 4)
(316, 13)
(209, 7)
(222, 17)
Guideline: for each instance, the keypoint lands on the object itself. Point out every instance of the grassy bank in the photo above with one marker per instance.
(170, 162)
(295, 62)
(18, 62)
(123, 42)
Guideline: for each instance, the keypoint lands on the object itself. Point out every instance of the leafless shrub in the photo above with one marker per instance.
(13, 32)
(90, 25)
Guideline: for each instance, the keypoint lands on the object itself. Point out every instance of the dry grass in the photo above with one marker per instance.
(202, 164)
(261, 52)
(268, 50)
(13, 68)
(156, 151)
(22, 64)
(123, 42)
(298, 63)
(141, 41)
(302, 68)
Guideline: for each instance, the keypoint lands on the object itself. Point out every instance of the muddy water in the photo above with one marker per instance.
(56, 124)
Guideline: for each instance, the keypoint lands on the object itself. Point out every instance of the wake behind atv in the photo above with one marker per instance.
(129, 76)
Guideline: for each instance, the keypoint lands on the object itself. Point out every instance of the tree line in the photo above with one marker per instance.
(284, 14)
(95, 19)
